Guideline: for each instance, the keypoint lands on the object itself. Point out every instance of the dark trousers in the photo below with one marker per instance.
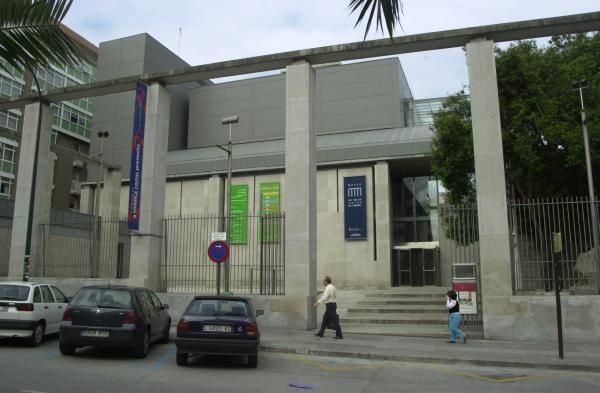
(330, 318)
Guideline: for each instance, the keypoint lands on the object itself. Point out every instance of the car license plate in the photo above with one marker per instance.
(216, 328)
(3, 308)
(94, 333)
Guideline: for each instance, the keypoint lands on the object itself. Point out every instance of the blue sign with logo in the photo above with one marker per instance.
(137, 156)
(355, 207)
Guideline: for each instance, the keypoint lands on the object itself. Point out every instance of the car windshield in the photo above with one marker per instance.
(14, 292)
(102, 298)
(218, 307)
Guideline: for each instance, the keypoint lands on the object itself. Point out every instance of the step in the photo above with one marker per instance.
(398, 302)
(397, 330)
(416, 319)
(394, 295)
(408, 308)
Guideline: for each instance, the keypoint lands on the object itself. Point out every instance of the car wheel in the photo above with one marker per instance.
(164, 339)
(253, 361)
(37, 335)
(66, 350)
(182, 359)
(141, 351)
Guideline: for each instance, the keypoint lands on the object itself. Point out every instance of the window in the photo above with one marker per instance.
(13, 292)
(103, 297)
(47, 294)
(156, 300)
(147, 300)
(215, 307)
(9, 87)
(7, 158)
(37, 296)
(5, 185)
(60, 297)
(9, 120)
(415, 209)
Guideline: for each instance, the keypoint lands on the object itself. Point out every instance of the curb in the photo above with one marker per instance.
(427, 359)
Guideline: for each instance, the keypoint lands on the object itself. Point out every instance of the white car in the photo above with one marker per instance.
(30, 310)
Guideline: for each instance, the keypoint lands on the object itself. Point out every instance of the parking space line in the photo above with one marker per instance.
(164, 358)
(30, 391)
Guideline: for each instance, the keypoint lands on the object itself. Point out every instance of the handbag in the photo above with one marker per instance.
(333, 323)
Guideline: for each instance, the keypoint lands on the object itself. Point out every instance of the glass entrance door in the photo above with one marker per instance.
(415, 266)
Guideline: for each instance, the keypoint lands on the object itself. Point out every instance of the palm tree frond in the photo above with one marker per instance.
(31, 36)
(387, 11)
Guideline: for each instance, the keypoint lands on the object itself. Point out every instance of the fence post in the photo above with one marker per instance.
(556, 256)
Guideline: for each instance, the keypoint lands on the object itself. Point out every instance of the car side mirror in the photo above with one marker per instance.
(165, 306)
(260, 312)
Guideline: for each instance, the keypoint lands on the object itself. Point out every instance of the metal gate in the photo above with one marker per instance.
(257, 255)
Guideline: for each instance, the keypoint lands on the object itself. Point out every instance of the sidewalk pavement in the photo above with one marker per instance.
(578, 357)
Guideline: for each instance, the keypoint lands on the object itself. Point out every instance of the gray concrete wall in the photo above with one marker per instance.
(351, 97)
(114, 113)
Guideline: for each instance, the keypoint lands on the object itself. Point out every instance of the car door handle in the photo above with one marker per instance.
(46, 307)
(59, 306)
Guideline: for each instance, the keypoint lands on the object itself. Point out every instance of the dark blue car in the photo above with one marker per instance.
(218, 325)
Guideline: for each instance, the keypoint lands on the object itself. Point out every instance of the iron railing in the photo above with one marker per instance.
(79, 249)
(532, 224)
(459, 245)
(256, 262)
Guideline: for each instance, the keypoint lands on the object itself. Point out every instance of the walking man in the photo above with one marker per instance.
(330, 318)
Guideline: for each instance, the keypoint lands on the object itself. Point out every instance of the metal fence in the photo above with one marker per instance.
(257, 255)
(459, 244)
(532, 223)
(75, 246)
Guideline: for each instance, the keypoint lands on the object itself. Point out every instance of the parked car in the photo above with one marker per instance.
(30, 310)
(218, 325)
(114, 316)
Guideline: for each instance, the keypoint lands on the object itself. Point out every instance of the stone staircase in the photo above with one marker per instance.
(414, 311)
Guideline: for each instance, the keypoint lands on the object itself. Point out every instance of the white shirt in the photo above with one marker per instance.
(328, 295)
(450, 303)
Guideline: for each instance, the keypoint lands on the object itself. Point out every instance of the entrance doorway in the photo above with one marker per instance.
(415, 266)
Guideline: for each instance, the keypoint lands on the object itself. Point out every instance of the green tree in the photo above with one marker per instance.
(31, 34)
(540, 116)
(384, 11)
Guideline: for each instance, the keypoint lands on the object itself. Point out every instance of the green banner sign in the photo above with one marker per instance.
(270, 212)
(238, 228)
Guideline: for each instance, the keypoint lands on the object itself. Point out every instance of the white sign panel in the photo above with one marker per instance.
(215, 236)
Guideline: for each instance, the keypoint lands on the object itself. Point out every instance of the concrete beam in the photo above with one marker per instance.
(502, 32)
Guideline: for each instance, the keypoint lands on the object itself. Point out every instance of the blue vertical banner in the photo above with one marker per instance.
(137, 157)
(355, 207)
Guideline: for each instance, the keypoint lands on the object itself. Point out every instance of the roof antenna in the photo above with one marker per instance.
(179, 44)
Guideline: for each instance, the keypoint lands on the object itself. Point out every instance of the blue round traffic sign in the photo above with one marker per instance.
(218, 251)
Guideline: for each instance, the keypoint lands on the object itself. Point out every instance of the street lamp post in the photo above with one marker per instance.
(96, 257)
(580, 85)
(230, 120)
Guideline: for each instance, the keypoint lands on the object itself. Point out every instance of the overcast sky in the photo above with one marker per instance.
(215, 31)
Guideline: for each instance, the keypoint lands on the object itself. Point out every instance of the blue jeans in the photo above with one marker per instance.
(453, 324)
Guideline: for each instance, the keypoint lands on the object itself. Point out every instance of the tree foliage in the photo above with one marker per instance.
(540, 117)
(31, 36)
(384, 11)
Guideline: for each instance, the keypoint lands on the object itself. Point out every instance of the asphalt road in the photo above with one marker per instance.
(44, 369)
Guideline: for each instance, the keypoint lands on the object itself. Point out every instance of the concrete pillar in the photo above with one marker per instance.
(383, 223)
(40, 237)
(24, 178)
(494, 237)
(146, 245)
(216, 193)
(110, 198)
(86, 200)
(300, 197)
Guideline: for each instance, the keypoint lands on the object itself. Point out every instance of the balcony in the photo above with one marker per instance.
(75, 187)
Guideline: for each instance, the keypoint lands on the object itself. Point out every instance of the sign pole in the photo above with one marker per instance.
(555, 259)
